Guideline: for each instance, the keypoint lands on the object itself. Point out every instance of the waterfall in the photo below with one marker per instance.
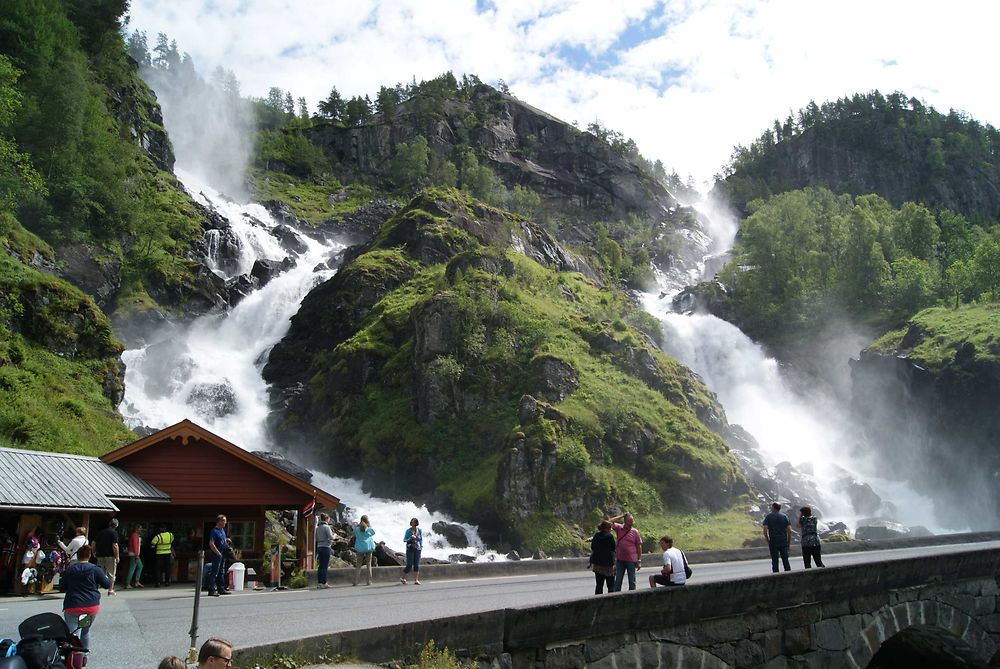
(811, 431)
(210, 369)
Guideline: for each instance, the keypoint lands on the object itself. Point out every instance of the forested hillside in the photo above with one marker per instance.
(808, 257)
(892, 145)
(864, 210)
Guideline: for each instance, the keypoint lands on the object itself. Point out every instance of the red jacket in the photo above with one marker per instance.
(133, 543)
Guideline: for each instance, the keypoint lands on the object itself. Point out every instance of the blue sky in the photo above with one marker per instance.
(688, 80)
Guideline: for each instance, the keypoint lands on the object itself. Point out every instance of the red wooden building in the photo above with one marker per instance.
(205, 475)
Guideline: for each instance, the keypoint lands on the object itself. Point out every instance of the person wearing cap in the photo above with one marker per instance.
(106, 552)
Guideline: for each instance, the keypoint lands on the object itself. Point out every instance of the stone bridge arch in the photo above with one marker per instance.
(891, 619)
(651, 655)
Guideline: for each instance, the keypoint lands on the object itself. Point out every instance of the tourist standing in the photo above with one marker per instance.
(778, 534)
(106, 551)
(81, 582)
(75, 544)
(134, 559)
(809, 538)
(324, 549)
(628, 550)
(672, 572)
(602, 558)
(364, 546)
(413, 538)
(163, 544)
(217, 546)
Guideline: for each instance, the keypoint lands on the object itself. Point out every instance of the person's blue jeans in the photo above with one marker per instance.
(412, 561)
(782, 552)
(324, 553)
(83, 633)
(621, 568)
(216, 581)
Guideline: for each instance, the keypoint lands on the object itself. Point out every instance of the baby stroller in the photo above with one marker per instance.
(47, 643)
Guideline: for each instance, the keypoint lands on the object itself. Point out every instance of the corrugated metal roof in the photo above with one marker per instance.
(39, 480)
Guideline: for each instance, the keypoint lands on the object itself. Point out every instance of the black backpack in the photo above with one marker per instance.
(687, 568)
(40, 653)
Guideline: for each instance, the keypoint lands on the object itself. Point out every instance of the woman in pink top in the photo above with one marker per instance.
(628, 551)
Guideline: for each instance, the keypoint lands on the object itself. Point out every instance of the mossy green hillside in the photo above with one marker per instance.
(424, 388)
(59, 366)
(939, 332)
(315, 200)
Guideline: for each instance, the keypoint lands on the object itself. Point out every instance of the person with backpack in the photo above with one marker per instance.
(81, 582)
(628, 550)
(413, 538)
(163, 544)
(674, 570)
(74, 544)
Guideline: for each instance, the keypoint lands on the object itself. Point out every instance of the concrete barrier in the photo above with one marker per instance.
(513, 568)
(519, 630)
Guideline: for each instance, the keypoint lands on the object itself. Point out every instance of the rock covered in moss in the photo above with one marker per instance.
(463, 353)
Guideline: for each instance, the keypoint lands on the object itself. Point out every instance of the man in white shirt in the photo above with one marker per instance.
(672, 572)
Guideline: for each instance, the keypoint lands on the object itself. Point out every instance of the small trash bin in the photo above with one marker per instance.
(237, 572)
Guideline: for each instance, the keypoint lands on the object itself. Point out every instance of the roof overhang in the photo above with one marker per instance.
(66, 509)
(187, 430)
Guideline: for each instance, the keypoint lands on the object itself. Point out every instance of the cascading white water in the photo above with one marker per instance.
(808, 431)
(210, 370)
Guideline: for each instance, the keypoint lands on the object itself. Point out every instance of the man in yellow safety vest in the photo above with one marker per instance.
(163, 544)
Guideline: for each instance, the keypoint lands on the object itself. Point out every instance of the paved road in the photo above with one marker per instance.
(137, 628)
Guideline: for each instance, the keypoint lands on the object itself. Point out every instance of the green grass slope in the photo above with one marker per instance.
(59, 361)
(431, 367)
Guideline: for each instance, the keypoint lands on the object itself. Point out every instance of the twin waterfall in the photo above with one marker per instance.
(210, 371)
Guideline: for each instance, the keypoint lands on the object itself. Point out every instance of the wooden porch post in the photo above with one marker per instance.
(300, 539)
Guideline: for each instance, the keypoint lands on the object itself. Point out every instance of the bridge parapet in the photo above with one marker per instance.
(822, 618)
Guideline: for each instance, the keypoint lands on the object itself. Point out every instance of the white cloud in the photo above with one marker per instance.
(711, 75)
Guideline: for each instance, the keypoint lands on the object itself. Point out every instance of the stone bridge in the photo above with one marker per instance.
(869, 615)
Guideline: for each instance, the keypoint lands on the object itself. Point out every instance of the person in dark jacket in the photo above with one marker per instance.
(80, 582)
(602, 557)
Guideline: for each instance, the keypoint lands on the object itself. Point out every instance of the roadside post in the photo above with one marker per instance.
(192, 657)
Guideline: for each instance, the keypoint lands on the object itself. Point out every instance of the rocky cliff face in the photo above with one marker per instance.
(464, 354)
(865, 155)
(134, 104)
(574, 172)
(927, 404)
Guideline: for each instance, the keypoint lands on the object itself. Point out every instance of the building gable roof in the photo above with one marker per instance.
(186, 431)
(39, 480)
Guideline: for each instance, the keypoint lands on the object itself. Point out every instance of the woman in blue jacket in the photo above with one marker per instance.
(80, 582)
(414, 540)
(364, 546)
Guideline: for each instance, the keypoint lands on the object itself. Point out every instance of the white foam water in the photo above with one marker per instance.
(807, 431)
(210, 370)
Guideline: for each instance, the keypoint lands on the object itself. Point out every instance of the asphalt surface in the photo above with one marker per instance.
(137, 628)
